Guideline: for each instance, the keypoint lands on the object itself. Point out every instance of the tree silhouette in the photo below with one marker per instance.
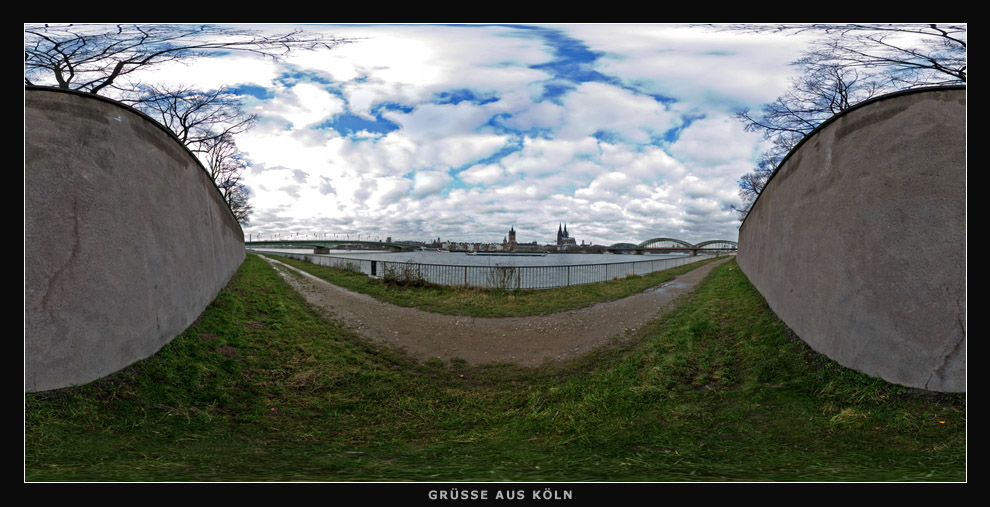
(844, 66)
(102, 59)
(94, 58)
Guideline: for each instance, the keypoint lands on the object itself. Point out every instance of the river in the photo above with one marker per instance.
(503, 272)
(462, 259)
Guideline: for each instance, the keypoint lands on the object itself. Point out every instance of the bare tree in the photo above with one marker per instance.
(820, 92)
(846, 65)
(908, 55)
(101, 59)
(752, 183)
(196, 117)
(206, 122)
(227, 165)
(911, 55)
(93, 58)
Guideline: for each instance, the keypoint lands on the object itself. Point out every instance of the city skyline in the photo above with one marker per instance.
(511, 233)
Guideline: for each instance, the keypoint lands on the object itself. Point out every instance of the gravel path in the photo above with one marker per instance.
(527, 341)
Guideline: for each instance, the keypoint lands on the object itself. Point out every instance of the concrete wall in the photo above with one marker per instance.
(126, 238)
(858, 243)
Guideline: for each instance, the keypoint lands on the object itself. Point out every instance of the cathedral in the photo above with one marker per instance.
(511, 243)
(564, 238)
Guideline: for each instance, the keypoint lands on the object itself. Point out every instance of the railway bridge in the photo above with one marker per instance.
(328, 244)
(669, 245)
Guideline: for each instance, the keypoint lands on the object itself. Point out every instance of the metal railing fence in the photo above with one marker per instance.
(507, 277)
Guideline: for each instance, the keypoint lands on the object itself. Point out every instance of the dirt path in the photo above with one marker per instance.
(526, 341)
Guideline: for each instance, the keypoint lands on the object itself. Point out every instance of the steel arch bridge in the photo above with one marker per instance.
(665, 243)
(313, 243)
(674, 245)
(718, 244)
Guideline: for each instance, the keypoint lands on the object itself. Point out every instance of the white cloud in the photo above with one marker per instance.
(390, 190)
(598, 106)
(627, 186)
(545, 156)
(712, 142)
(482, 174)
(305, 105)
(213, 73)
(429, 182)
(437, 121)
(696, 65)
(409, 64)
(539, 115)
(650, 164)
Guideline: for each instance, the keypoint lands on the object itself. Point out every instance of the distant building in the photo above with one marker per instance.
(510, 243)
(564, 238)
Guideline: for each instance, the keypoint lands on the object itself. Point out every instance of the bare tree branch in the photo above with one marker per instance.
(227, 165)
(846, 65)
(206, 122)
(91, 58)
(195, 116)
(99, 58)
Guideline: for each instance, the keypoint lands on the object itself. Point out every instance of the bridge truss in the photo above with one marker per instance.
(675, 245)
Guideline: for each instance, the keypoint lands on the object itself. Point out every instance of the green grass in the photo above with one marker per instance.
(477, 302)
(261, 387)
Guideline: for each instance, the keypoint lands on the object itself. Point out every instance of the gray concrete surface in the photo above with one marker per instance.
(859, 242)
(127, 239)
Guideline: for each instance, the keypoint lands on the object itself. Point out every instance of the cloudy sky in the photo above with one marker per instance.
(623, 132)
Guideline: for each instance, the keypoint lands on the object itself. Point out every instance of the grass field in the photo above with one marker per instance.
(262, 388)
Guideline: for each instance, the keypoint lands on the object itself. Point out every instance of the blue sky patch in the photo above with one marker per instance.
(348, 124)
(573, 61)
(462, 95)
(663, 99)
(672, 135)
(552, 91)
(258, 92)
(608, 136)
(390, 106)
(293, 76)
(511, 146)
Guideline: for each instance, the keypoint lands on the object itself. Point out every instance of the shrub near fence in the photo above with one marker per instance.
(499, 276)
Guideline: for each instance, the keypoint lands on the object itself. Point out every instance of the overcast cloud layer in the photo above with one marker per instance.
(624, 133)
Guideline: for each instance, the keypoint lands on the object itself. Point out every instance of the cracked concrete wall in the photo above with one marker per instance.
(126, 238)
(858, 242)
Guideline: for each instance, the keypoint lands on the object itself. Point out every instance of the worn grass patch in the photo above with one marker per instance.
(261, 387)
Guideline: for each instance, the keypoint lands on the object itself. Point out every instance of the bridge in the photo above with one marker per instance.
(318, 244)
(667, 245)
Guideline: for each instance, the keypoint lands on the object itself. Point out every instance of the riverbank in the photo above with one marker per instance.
(526, 341)
(475, 302)
(263, 388)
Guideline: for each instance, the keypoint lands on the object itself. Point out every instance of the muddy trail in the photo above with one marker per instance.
(525, 341)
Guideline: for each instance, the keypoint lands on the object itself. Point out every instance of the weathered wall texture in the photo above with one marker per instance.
(126, 238)
(858, 243)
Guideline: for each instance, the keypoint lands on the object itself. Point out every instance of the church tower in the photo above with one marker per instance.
(564, 237)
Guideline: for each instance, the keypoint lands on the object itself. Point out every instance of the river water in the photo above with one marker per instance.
(504, 272)
(462, 259)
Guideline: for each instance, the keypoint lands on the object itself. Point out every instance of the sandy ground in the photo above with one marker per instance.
(526, 341)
